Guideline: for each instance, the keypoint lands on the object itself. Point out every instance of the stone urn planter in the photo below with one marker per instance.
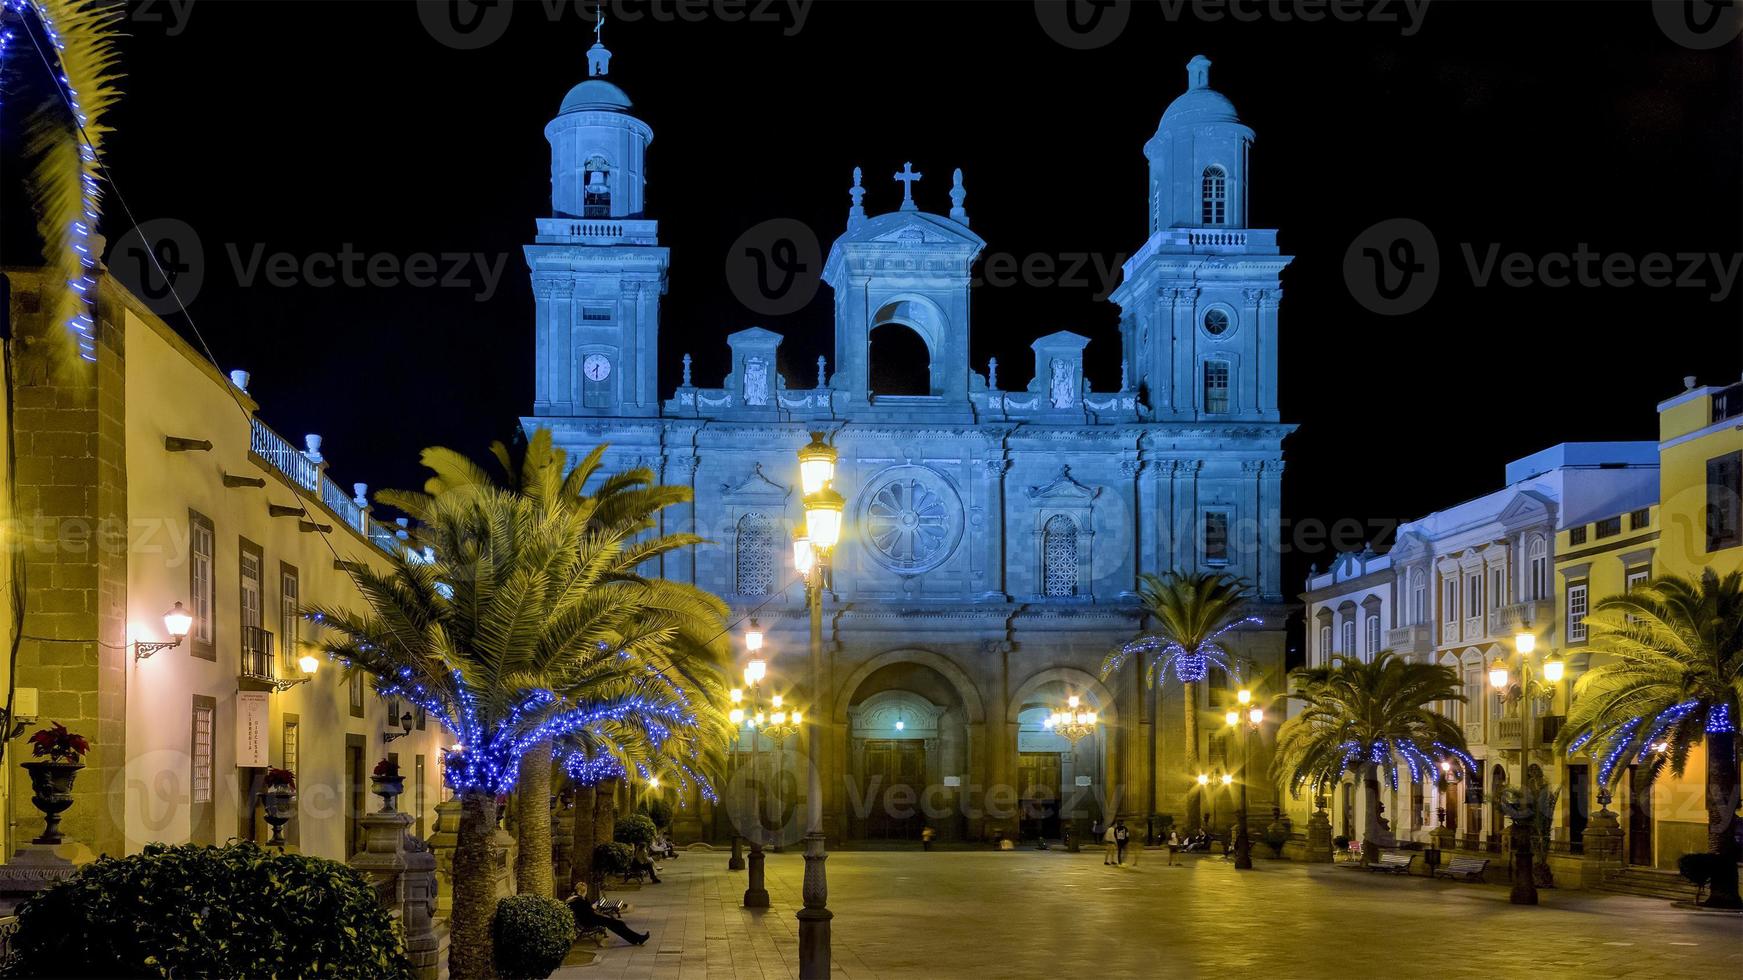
(280, 804)
(51, 785)
(389, 789)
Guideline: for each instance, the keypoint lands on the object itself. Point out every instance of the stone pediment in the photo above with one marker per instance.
(756, 486)
(1527, 508)
(1063, 487)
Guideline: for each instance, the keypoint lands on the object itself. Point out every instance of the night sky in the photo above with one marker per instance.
(304, 127)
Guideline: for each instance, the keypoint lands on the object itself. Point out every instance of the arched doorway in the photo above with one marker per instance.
(907, 754)
(1059, 783)
(901, 364)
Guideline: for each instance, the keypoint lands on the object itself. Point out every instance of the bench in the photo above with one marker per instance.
(1470, 869)
(1396, 862)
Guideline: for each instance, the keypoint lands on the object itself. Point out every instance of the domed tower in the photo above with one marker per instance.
(1198, 325)
(598, 270)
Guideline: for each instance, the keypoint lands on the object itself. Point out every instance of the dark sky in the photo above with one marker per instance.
(304, 127)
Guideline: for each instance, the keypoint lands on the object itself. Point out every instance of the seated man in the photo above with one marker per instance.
(586, 917)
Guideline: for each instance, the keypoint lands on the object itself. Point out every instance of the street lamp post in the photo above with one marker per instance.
(1255, 716)
(756, 894)
(811, 552)
(1524, 890)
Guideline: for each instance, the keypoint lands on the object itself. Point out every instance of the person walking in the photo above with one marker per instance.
(1121, 837)
(1107, 837)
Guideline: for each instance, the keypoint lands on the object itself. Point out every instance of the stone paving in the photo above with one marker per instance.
(1030, 914)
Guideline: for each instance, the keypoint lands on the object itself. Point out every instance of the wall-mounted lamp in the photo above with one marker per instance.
(405, 728)
(176, 622)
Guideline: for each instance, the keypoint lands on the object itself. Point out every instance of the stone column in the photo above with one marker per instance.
(442, 846)
(403, 871)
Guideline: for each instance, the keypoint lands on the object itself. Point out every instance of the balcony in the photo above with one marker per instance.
(1415, 640)
(598, 231)
(257, 663)
(1539, 614)
(1507, 732)
(308, 471)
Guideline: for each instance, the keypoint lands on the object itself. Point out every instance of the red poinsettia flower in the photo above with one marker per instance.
(59, 744)
(277, 778)
(387, 769)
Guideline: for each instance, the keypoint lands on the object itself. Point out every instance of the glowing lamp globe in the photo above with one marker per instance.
(1233, 718)
(779, 717)
(753, 638)
(1244, 696)
(823, 518)
(178, 621)
(1524, 642)
(816, 464)
(1553, 669)
(1498, 674)
(1203, 780)
(735, 695)
(804, 559)
(775, 701)
(755, 671)
(1256, 715)
(309, 663)
(736, 716)
(1227, 779)
(653, 782)
(798, 717)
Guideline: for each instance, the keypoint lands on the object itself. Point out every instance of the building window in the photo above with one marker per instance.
(1325, 650)
(1216, 537)
(1215, 195)
(1474, 586)
(256, 647)
(1473, 696)
(1725, 501)
(1216, 322)
(354, 692)
(1497, 587)
(201, 780)
(596, 314)
(1609, 527)
(1576, 613)
(596, 188)
(1539, 568)
(290, 616)
(755, 553)
(1639, 519)
(292, 744)
(1216, 387)
(1349, 638)
(1373, 635)
(1451, 612)
(1059, 556)
(1728, 404)
(201, 585)
(1418, 597)
(1576, 535)
(1637, 577)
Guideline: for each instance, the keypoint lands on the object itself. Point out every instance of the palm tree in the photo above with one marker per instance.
(1369, 715)
(496, 631)
(1192, 611)
(679, 623)
(1675, 682)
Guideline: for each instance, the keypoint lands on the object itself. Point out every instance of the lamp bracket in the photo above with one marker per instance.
(143, 649)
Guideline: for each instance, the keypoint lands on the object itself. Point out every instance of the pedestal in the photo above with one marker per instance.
(1319, 850)
(814, 953)
(736, 862)
(442, 846)
(404, 874)
(37, 868)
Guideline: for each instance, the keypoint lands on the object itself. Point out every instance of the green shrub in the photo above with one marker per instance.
(1340, 842)
(533, 934)
(1698, 867)
(659, 811)
(611, 858)
(634, 829)
(1276, 837)
(201, 911)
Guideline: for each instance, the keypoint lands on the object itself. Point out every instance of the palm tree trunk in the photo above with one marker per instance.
(1195, 795)
(1371, 822)
(472, 951)
(604, 827)
(533, 872)
(581, 838)
(1722, 818)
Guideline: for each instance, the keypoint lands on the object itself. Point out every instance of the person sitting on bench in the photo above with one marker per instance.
(587, 917)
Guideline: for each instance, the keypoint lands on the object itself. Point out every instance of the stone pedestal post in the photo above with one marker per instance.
(36, 868)
(442, 846)
(814, 954)
(404, 874)
(1603, 847)
(1319, 850)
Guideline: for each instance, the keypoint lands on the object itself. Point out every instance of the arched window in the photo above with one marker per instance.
(1373, 635)
(756, 555)
(1216, 387)
(1349, 637)
(900, 362)
(596, 188)
(1059, 556)
(1324, 644)
(1539, 567)
(1215, 196)
(1418, 597)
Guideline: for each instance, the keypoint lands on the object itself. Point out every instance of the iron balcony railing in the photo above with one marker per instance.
(257, 654)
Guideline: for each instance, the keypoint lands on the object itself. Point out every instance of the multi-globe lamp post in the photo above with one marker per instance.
(811, 553)
(748, 715)
(1531, 690)
(1246, 718)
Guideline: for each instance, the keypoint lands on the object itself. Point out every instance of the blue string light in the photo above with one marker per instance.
(1719, 720)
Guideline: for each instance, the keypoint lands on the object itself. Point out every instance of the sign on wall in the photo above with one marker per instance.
(253, 721)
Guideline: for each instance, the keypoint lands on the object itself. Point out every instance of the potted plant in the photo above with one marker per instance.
(51, 779)
(278, 793)
(389, 784)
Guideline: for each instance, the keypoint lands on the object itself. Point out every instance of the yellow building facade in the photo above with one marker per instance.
(148, 480)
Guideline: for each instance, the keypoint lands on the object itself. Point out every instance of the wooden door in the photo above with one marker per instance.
(895, 776)
(1038, 793)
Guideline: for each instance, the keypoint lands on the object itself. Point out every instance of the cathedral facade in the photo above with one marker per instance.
(993, 536)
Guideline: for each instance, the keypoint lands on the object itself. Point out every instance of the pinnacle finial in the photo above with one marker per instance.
(1198, 72)
(907, 177)
(598, 58)
(958, 213)
(856, 214)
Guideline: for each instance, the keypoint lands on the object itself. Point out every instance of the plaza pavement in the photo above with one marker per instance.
(1029, 914)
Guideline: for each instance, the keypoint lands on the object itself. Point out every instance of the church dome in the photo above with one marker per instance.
(595, 94)
(1199, 104)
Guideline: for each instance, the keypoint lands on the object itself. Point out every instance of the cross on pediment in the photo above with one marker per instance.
(907, 177)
